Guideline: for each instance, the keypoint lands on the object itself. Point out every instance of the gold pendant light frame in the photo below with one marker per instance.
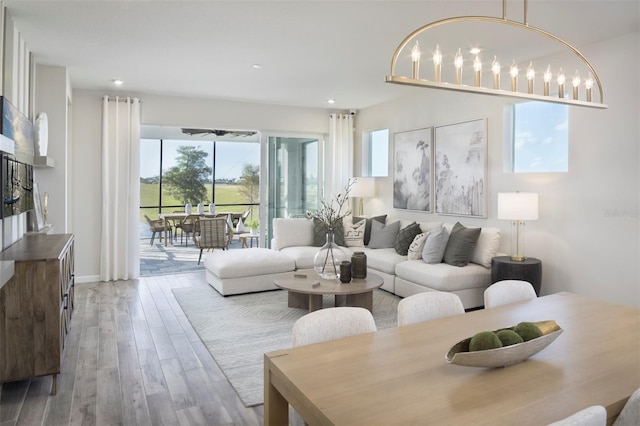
(418, 82)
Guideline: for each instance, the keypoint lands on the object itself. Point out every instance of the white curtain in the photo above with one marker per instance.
(120, 256)
(338, 160)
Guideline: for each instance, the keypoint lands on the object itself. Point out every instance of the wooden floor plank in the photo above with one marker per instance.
(119, 369)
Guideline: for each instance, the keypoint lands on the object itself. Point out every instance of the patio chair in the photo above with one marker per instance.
(157, 225)
(187, 226)
(212, 233)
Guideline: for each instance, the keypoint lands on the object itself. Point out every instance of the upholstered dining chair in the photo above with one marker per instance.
(508, 291)
(595, 415)
(331, 324)
(428, 306)
(630, 414)
(212, 233)
(157, 225)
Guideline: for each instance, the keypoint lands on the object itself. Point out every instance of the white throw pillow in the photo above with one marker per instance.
(415, 249)
(434, 247)
(292, 232)
(486, 247)
(354, 232)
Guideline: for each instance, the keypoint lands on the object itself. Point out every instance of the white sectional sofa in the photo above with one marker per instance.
(403, 277)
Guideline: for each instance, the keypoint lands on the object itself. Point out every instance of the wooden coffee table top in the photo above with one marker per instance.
(296, 282)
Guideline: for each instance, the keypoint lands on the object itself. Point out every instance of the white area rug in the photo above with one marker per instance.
(239, 329)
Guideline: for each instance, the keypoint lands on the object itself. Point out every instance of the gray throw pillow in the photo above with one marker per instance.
(405, 238)
(434, 247)
(383, 236)
(320, 233)
(461, 244)
(367, 229)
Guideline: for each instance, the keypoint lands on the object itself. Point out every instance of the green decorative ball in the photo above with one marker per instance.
(509, 337)
(528, 331)
(483, 341)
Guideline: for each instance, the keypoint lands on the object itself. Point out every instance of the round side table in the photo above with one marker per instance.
(530, 269)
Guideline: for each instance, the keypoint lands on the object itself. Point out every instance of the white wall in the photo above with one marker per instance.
(588, 234)
(158, 110)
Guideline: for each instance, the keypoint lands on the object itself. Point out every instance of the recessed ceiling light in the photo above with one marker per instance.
(475, 50)
(117, 82)
(257, 66)
(331, 101)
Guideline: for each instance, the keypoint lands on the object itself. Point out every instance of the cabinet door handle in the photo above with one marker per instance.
(66, 300)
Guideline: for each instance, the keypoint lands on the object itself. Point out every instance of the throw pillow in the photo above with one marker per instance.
(460, 246)
(320, 233)
(487, 247)
(383, 236)
(434, 247)
(367, 230)
(415, 248)
(353, 232)
(405, 238)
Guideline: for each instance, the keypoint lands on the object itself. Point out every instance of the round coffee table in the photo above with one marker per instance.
(306, 289)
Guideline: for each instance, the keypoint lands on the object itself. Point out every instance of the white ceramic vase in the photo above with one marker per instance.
(188, 208)
(212, 208)
(200, 208)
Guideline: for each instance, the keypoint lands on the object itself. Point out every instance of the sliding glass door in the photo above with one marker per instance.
(294, 176)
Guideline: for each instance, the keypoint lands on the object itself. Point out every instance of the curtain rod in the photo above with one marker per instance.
(121, 99)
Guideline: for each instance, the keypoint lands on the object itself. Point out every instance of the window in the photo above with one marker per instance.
(375, 153)
(540, 138)
(173, 172)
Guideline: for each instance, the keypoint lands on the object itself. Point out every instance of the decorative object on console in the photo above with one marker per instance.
(460, 168)
(362, 187)
(188, 208)
(412, 175)
(479, 23)
(517, 207)
(200, 208)
(39, 221)
(212, 208)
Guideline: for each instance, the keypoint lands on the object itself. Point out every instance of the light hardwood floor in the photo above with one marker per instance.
(132, 358)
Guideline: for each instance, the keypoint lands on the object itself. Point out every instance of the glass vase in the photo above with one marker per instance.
(328, 259)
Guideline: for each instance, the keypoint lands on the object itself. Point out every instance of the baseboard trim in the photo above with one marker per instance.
(87, 279)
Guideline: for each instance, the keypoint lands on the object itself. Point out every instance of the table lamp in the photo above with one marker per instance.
(362, 187)
(517, 207)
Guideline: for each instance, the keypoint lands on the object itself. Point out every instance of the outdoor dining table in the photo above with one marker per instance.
(179, 216)
(399, 376)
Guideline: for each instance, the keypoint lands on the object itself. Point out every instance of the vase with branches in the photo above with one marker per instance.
(330, 214)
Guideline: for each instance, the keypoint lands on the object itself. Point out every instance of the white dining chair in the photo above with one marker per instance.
(595, 415)
(630, 414)
(428, 306)
(508, 291)
(332, 323)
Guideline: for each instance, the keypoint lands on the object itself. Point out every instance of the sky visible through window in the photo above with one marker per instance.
(541, 137)
(230, 156)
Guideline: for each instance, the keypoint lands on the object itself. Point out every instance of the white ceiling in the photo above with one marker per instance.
(309, 50)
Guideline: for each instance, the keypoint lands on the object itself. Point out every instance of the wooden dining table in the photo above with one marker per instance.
(399, 376)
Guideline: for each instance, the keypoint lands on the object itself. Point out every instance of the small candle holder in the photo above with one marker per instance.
(345, 272)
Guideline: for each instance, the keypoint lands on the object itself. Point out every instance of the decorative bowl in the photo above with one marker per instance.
(501, 357)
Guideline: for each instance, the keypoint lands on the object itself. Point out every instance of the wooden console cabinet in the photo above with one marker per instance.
(36, 307)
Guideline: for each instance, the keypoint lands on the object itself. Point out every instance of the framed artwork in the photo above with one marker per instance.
(461, 169)
(412, 170)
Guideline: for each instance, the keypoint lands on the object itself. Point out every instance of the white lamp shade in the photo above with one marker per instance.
(362, 187)
(518, 205)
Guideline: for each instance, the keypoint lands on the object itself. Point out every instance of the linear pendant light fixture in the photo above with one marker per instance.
(495, 90)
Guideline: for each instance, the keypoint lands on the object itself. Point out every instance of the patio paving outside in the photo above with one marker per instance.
(157, 259)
